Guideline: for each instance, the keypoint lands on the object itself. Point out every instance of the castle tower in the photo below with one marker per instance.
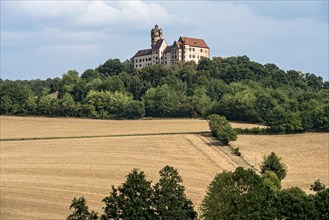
(156, 34)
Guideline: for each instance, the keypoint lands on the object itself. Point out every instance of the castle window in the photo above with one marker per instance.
(193, 56)
(136, 65)
(140, 60)
(190, 56)
(140, 65)
(190, 48)
(201, 50)
(193, 49)
(143, 60)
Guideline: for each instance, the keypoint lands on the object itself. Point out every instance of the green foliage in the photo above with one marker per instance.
(221, 128)
(170, 201)
(271, 179)
(134, 110)
(108, 104)
(89, 75)
(235, 87)
(131, 200)
(255, 130)
(203, 105)
(322, 203)
(238, 195)
(14, 98)
(317, 186)
(111, 67)
(273, 163)
(161, 102)
(81, 211)
(295, 204)
(236, 151)
(137, 199)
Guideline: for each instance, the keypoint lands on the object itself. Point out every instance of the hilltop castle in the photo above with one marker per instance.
(185, 49)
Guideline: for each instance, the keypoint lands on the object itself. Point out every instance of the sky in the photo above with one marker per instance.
(45, 39)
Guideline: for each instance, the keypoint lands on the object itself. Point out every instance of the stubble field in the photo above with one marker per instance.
(41, 174)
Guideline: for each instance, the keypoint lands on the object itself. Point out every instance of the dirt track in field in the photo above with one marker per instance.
(39, 178)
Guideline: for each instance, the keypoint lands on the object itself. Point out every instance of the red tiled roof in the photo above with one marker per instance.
(143, 52)
(194, 42)
(158, 44)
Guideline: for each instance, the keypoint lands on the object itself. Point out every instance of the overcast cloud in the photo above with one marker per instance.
(44, 39)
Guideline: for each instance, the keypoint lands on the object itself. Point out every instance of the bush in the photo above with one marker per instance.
(236, 152)
(221, 128)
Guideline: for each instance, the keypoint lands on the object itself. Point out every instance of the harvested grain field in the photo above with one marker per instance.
(306, 155)
(37, 127)
(39, 178)
(45, 162)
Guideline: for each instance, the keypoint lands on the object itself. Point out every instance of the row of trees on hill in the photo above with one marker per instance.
(234, 87)
(241, 194)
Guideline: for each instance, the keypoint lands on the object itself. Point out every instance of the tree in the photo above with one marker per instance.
(221, 128)
(272, 180)
(202, 103)
(14, 98)
(134, 110)
(90, 74)
(111, 67)
(238, 195)
(322, 203)
(161, 101)
(295, 204)
(67, 105)
(131, 200)
(81, 211)
(273, 163)
(169, 198)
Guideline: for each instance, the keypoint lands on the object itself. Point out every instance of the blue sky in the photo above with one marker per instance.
(45, 39)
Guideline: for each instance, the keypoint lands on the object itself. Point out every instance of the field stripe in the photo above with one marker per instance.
(100, 136)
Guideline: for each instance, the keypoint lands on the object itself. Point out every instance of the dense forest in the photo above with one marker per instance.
(235, 87)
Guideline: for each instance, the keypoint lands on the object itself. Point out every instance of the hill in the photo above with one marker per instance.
(236, 87)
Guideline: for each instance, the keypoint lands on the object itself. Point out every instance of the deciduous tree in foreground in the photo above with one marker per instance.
(137, 199)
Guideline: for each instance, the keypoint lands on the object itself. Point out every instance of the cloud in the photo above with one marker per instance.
(94, 13)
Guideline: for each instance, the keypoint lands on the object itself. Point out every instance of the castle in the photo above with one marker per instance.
(185, 49)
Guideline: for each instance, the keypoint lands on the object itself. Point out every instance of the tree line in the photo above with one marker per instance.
(235, 87)
(241, 194)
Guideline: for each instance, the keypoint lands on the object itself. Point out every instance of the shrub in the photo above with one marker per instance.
(221, 128)
(236, 152)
